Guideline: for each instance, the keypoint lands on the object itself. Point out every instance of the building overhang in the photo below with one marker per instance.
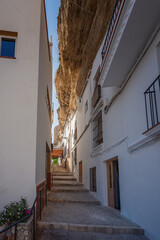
(141, 23)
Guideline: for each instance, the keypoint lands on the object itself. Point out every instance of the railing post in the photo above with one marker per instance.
(46, 194)
(15, 233)
(146, 110)
(155, 102)
(40, 205)
(34, 223)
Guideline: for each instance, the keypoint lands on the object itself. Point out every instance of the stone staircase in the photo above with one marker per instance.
(74, 214)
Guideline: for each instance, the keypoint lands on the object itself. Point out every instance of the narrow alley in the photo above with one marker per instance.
(80, 119)
(73, 213)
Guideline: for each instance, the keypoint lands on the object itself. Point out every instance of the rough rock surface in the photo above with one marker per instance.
(82, 25)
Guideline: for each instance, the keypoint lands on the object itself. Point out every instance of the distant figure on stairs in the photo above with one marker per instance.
(59, 161)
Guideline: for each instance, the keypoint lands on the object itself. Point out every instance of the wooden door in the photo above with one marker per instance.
(80, 171)
(48, 167)
(113, 183)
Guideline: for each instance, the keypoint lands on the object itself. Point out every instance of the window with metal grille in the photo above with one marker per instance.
(97, 130)
(93, 186)
(152, 103)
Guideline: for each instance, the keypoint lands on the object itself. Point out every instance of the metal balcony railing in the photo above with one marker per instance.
(112, 28)
(152, 103)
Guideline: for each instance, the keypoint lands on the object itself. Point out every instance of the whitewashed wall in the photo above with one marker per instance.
(18, 105)
(139, 170)
(43, 118)
(123, 127)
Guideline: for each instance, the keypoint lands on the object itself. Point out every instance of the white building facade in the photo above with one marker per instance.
(26, 93)
(117, 146)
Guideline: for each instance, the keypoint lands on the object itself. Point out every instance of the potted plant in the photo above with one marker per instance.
(13, 212)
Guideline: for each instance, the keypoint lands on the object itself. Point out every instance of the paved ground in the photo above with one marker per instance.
(80, 213)
(83, 197)
(74, 214)
(69, 189)
(53, 234)
(66, 183)
(58, 168)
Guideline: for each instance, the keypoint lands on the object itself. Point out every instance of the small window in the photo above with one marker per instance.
(75, 132)
(93, 186)
(74, 156)
(7, 47)
(97, 130)
(48, 104)
(86, 106)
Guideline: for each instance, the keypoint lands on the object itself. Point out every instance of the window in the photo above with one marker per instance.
(93, 186)
(68, 146)
(74, 156)
(75, 132)
(97, 130)
(7, 47)
(48, 104)
(86, 106)
(97, 90)
(152, 103)
(96, 95)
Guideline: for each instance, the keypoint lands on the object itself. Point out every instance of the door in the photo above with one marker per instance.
(80, 171)
(48, 167)
(113, 183)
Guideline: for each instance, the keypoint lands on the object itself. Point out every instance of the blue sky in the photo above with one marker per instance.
(52, 8)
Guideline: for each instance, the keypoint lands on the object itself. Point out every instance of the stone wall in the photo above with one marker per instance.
(25, 230)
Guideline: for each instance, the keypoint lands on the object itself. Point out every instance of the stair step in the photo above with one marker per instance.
(56, 234)
(69, 189)
(64, 178)
(91, 228)
(63, 183)
(62, 174)
(72, 197)
(73, 201)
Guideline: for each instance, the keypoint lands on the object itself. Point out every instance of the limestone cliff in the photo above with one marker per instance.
(82, 25)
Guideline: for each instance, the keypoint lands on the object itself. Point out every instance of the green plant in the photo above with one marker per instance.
(55, 160)
(14, 211)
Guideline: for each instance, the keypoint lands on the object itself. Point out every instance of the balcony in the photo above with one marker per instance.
(133, 31)
(152, 103)
(96, 95)
(111, 30)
